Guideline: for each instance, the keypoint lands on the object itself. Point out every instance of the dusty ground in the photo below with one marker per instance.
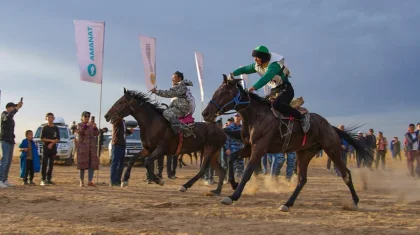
(390, 205)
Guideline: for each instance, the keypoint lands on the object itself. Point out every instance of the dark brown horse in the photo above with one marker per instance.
(260, 134)
(158, 139)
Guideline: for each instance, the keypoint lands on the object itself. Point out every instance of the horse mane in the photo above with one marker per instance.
(254, 96)
(143, 98)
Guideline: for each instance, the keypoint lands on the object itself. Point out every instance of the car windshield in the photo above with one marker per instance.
(64, 133)
(134, 136)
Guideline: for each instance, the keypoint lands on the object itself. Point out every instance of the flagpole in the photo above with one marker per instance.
(100, 111)
(99, 129)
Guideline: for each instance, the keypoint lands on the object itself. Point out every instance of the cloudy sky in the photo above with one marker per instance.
(352, 61)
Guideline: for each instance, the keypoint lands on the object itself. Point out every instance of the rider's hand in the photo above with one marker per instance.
(228, 152)
(251, 89)
(153, 90)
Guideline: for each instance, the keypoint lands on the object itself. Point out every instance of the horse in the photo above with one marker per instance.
(263, 132)
(158, 139)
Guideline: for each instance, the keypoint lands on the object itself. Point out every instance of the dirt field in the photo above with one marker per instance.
(390, 205)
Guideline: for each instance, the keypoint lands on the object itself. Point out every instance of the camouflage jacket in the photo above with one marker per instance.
(181, 96)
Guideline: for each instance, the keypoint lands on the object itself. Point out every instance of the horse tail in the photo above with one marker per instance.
(362, 154)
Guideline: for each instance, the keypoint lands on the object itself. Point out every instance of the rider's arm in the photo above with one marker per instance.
(249, 69)
(173, 92)
(272, 70)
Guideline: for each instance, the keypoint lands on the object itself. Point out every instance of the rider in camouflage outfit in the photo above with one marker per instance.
(182, 101)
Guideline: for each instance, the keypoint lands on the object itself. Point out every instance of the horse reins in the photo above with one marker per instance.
(236, 101)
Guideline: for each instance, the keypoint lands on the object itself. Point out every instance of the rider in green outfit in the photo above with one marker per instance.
(270, 66)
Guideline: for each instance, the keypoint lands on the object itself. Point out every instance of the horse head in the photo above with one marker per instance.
(121, 108)
(225, 98)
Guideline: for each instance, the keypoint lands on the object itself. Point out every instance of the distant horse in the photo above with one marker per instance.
(262, 132)
(158, 139)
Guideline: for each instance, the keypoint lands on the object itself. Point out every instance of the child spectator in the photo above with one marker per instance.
(29, 159)
(50, 136)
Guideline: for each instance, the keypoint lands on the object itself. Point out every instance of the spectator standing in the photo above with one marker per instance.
(363, 143)
(290, 164)
(233, 145)
(101, 139)
(87, 157)
(412, 147)
(73, 128)
(395, 147)
(119, 136)
(50, 136)
(7, 141)
(381, 150)
(29, 159)
(371, 142)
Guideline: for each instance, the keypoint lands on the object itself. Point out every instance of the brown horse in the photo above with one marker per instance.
(263, 133)
(158, 139)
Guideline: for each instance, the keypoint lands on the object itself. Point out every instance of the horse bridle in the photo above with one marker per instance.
(129, 105)
(236, 101)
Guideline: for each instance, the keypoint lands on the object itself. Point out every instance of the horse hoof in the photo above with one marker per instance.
(124, 184)
(284, 208)
(227, 201)
(161, 182)
(182, 189)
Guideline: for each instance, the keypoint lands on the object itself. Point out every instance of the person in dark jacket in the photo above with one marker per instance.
(363, 144)
(371, 142)
(413, 150)
(7, 141)
(119, 136)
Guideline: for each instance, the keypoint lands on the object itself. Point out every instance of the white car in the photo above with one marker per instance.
(65, 148)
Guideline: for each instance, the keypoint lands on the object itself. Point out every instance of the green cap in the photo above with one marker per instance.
(262, 49)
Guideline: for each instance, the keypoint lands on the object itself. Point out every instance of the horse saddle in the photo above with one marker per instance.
(295, 103)
(186, 120)
(187, 125)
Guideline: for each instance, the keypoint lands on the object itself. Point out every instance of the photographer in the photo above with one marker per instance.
(7, 141)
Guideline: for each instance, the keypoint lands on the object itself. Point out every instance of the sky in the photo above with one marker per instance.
(352, 61)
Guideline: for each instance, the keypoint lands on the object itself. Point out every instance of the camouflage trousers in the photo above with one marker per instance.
(172, 115)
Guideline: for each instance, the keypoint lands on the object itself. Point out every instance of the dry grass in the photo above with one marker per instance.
(390, 205)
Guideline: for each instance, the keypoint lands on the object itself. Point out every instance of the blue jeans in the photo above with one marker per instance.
(291, 161)
(264, 164)
(273, 160)
(117, 163)
(6, 160)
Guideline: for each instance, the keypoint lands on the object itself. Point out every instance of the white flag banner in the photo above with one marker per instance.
(148, 55)
(199, 64)
(90, 49)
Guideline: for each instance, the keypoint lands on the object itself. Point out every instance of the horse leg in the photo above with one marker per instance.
(196, 158)
(214, 163)
(335, 154)
(127, 172)
(256, 155)
(159, 152)
(208, 153)
(244, 153)
(303, 159)
(179, 161)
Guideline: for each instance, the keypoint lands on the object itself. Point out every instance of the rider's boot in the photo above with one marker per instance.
(176, 125)
(305, 122)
